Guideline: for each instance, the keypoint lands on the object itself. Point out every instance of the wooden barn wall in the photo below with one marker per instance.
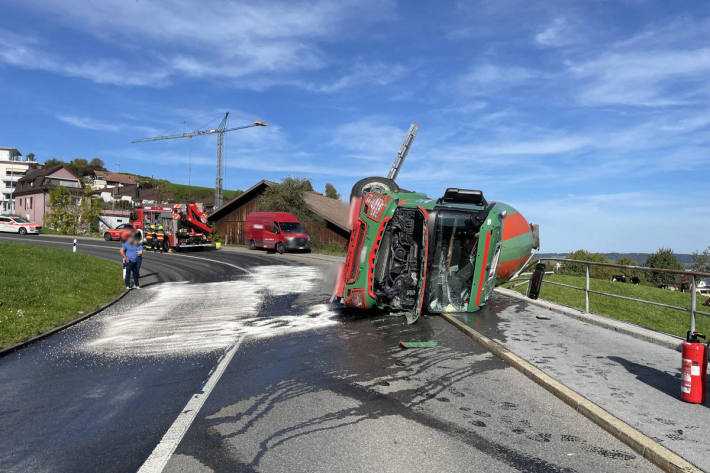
(327, 234)
(231, 227)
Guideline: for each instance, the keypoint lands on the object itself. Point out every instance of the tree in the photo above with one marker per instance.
(288, 196)
(79, 166)
(579, 269)
(626, 261)
(701, 261)
(96, 164)
(62, 214)
(52, 162)
(30, 156)
(331, 192)
(664, 258)
(89, 210)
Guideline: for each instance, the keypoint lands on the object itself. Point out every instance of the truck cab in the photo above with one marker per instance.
(414, 254)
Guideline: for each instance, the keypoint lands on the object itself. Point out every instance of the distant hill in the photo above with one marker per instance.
(184, 193)
(641, 258)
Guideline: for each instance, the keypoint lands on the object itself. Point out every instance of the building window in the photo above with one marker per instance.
(30, 202)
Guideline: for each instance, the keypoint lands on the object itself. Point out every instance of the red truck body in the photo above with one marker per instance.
(185, 225)
(279, 231)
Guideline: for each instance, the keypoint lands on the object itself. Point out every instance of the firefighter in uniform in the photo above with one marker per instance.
(150, 236)
(160, 239)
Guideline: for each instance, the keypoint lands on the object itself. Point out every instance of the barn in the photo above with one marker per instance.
(230, 219)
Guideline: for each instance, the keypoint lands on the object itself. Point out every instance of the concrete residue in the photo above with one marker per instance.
(183, 318)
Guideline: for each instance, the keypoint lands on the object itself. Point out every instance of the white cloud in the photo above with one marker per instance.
(29, 54)
(556, 34)
(485, 79)
(253, 45)
(660, 67)
(369, 139)
(88, 123)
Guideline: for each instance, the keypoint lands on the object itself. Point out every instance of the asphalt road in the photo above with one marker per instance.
(232, 361)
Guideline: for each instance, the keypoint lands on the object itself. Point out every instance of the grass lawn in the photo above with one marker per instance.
(43, 288)
(657, 318)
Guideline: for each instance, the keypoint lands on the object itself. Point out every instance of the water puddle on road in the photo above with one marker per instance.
(184, 318)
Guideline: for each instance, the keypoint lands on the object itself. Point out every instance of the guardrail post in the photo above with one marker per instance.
(693, 299)
(586, 291)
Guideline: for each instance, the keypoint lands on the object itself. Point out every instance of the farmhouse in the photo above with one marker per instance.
(231, 217)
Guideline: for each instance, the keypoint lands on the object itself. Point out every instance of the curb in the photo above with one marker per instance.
(642, 333)
(17, 346)
(637, 441)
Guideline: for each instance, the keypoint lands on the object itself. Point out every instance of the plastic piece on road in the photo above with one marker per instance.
(430, 344)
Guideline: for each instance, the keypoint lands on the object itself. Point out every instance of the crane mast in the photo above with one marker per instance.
(403, 151)
(219, 131)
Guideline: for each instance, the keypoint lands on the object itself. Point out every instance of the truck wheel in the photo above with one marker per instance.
(107, 236)
(22, 231)
(370, 184)
(280, 248)
(252, 246)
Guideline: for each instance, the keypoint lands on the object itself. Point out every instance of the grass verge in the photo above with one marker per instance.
(657, 318)
(43, 288)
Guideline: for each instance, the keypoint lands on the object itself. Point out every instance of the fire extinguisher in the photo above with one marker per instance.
(695, 367)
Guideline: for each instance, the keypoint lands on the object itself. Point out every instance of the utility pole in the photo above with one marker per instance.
(219, 131)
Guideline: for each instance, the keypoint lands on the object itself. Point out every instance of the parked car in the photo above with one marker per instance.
(409, 253)
(280, 231)
(115, 233)
(16, 224)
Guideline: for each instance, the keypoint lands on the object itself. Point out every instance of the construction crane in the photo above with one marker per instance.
(219, 131)
(403, 151)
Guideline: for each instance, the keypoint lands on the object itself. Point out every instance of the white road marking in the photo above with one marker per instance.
(166, 447)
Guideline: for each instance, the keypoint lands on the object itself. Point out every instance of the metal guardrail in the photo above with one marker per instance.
(692, 310)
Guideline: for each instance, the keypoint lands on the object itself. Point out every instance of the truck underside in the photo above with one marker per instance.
(399, 269)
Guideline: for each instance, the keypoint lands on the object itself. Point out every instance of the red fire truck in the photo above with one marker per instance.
(185, 225)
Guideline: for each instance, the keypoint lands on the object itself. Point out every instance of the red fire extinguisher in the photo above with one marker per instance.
(695, 367)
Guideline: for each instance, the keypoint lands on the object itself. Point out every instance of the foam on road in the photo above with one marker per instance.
(183, 318)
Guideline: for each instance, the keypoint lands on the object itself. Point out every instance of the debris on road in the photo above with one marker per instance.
(430, 344)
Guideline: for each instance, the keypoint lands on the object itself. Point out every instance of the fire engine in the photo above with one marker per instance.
(185, 225)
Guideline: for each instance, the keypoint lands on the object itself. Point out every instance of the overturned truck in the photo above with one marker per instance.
(412, 254)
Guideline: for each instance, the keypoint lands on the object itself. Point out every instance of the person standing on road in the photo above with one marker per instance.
(160, 238)
(132, 252)
(150, 236)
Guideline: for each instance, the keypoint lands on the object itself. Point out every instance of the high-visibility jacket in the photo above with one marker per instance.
(150, 234)
(160, 235)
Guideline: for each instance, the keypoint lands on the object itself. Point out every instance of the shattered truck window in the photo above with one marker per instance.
(451, 274)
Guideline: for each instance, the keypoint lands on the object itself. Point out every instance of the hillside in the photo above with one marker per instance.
(184, 192)
(641, 258)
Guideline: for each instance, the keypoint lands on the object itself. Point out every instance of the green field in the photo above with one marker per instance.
(43, 288)
(657, 318)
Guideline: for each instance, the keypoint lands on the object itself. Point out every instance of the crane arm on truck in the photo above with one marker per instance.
(196, 219)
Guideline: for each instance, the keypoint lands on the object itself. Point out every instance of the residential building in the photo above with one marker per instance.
(230, 219)
(12, 167)
(32, 192)
(110, 180)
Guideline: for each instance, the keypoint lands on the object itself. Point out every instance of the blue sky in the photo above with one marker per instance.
(591, 118)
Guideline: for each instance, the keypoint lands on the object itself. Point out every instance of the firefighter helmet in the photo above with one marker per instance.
(160, 227)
